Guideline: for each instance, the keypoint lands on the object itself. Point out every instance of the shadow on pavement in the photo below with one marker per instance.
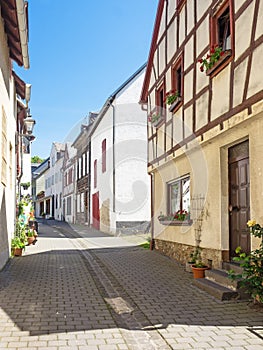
(58, 291)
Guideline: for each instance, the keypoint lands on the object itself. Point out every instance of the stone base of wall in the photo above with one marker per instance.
(181, 253)
(80, 218)
(132, 227)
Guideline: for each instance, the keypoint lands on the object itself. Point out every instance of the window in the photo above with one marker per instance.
(79, 168)
(69, 206)
(160, 96)
(83, 164)
(95, 173)
(179, 195)
(222, 30)
(177, 77)
(103, 150)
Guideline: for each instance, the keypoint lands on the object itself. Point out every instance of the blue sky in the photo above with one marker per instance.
(80, 52)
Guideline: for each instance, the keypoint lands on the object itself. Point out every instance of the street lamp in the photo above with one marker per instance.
(29, 124)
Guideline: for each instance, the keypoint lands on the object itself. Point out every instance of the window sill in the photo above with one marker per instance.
(176, 222)
(175, 104)
(158, 122)
(220, 64)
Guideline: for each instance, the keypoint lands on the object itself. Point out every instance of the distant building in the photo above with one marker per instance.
(69, 183)
(119, 183)
(82, 145)
(53, 182)
(38, 187)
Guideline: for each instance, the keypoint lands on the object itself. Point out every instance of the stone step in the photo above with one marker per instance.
(221, 277)
(216, 290)
(232, 266)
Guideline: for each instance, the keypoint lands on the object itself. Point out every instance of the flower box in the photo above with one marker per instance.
(225, 55)
(158, 122)
(187, 222)
(175, 104)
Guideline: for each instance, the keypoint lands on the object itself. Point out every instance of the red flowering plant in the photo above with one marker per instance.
(171, 96)
(154, 117)
(180, 215)
(215, 53)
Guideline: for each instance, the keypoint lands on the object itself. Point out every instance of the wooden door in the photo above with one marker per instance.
(239, 198)
(95, 211)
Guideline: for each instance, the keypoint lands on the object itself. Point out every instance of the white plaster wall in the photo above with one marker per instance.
(162, 55)
(104, 180)
(259, 27)
(7, 193)
(201, 7)
(171, 39)
(256, 81)
(171, 9)
(182, 25)
(243, 27)
(202, 35)
(239, 82)
(220, 87)
(189, 53)
(190, 15)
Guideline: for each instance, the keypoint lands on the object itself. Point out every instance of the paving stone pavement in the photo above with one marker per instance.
(80, 289)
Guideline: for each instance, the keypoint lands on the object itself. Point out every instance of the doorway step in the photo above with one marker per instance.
(219, 285)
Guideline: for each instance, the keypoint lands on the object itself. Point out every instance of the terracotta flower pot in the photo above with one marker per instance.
(30, 240)
(17, 251)
(199, 272)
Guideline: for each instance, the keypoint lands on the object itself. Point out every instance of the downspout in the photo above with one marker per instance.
(152, 244)
(21, 10)
(113, 157)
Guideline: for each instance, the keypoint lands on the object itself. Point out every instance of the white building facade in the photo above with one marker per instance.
(69, 184)
(53, 183)
(120, 185)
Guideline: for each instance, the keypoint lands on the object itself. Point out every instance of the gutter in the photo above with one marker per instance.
(21, 10)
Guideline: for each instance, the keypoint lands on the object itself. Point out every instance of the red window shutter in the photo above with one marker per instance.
(95, 173)
(103, 149)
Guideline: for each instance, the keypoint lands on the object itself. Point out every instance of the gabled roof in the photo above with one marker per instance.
(15, 16)
(112, 97)
(152, 51)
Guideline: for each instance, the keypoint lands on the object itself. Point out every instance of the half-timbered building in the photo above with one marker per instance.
(203, 90)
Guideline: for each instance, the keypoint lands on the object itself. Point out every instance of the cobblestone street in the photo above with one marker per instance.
(81, 289)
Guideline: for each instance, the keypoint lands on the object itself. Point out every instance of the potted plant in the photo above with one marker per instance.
(199, 268)
(17, 245)
(25, 185)
(30, 236)
(216, 56)
(43, 214)
(155, 119)
(173, 99)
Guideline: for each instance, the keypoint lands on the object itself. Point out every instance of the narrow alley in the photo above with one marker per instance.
(80, 289)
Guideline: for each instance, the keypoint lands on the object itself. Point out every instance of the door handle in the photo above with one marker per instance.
(233, 208)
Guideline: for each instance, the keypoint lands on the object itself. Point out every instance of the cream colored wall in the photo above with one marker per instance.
(212, 157)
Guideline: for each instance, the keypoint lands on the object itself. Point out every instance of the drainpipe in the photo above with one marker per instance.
(152, 212)
(21, 10)
(113, 156)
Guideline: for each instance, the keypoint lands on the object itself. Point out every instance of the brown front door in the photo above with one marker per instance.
(239, 198)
